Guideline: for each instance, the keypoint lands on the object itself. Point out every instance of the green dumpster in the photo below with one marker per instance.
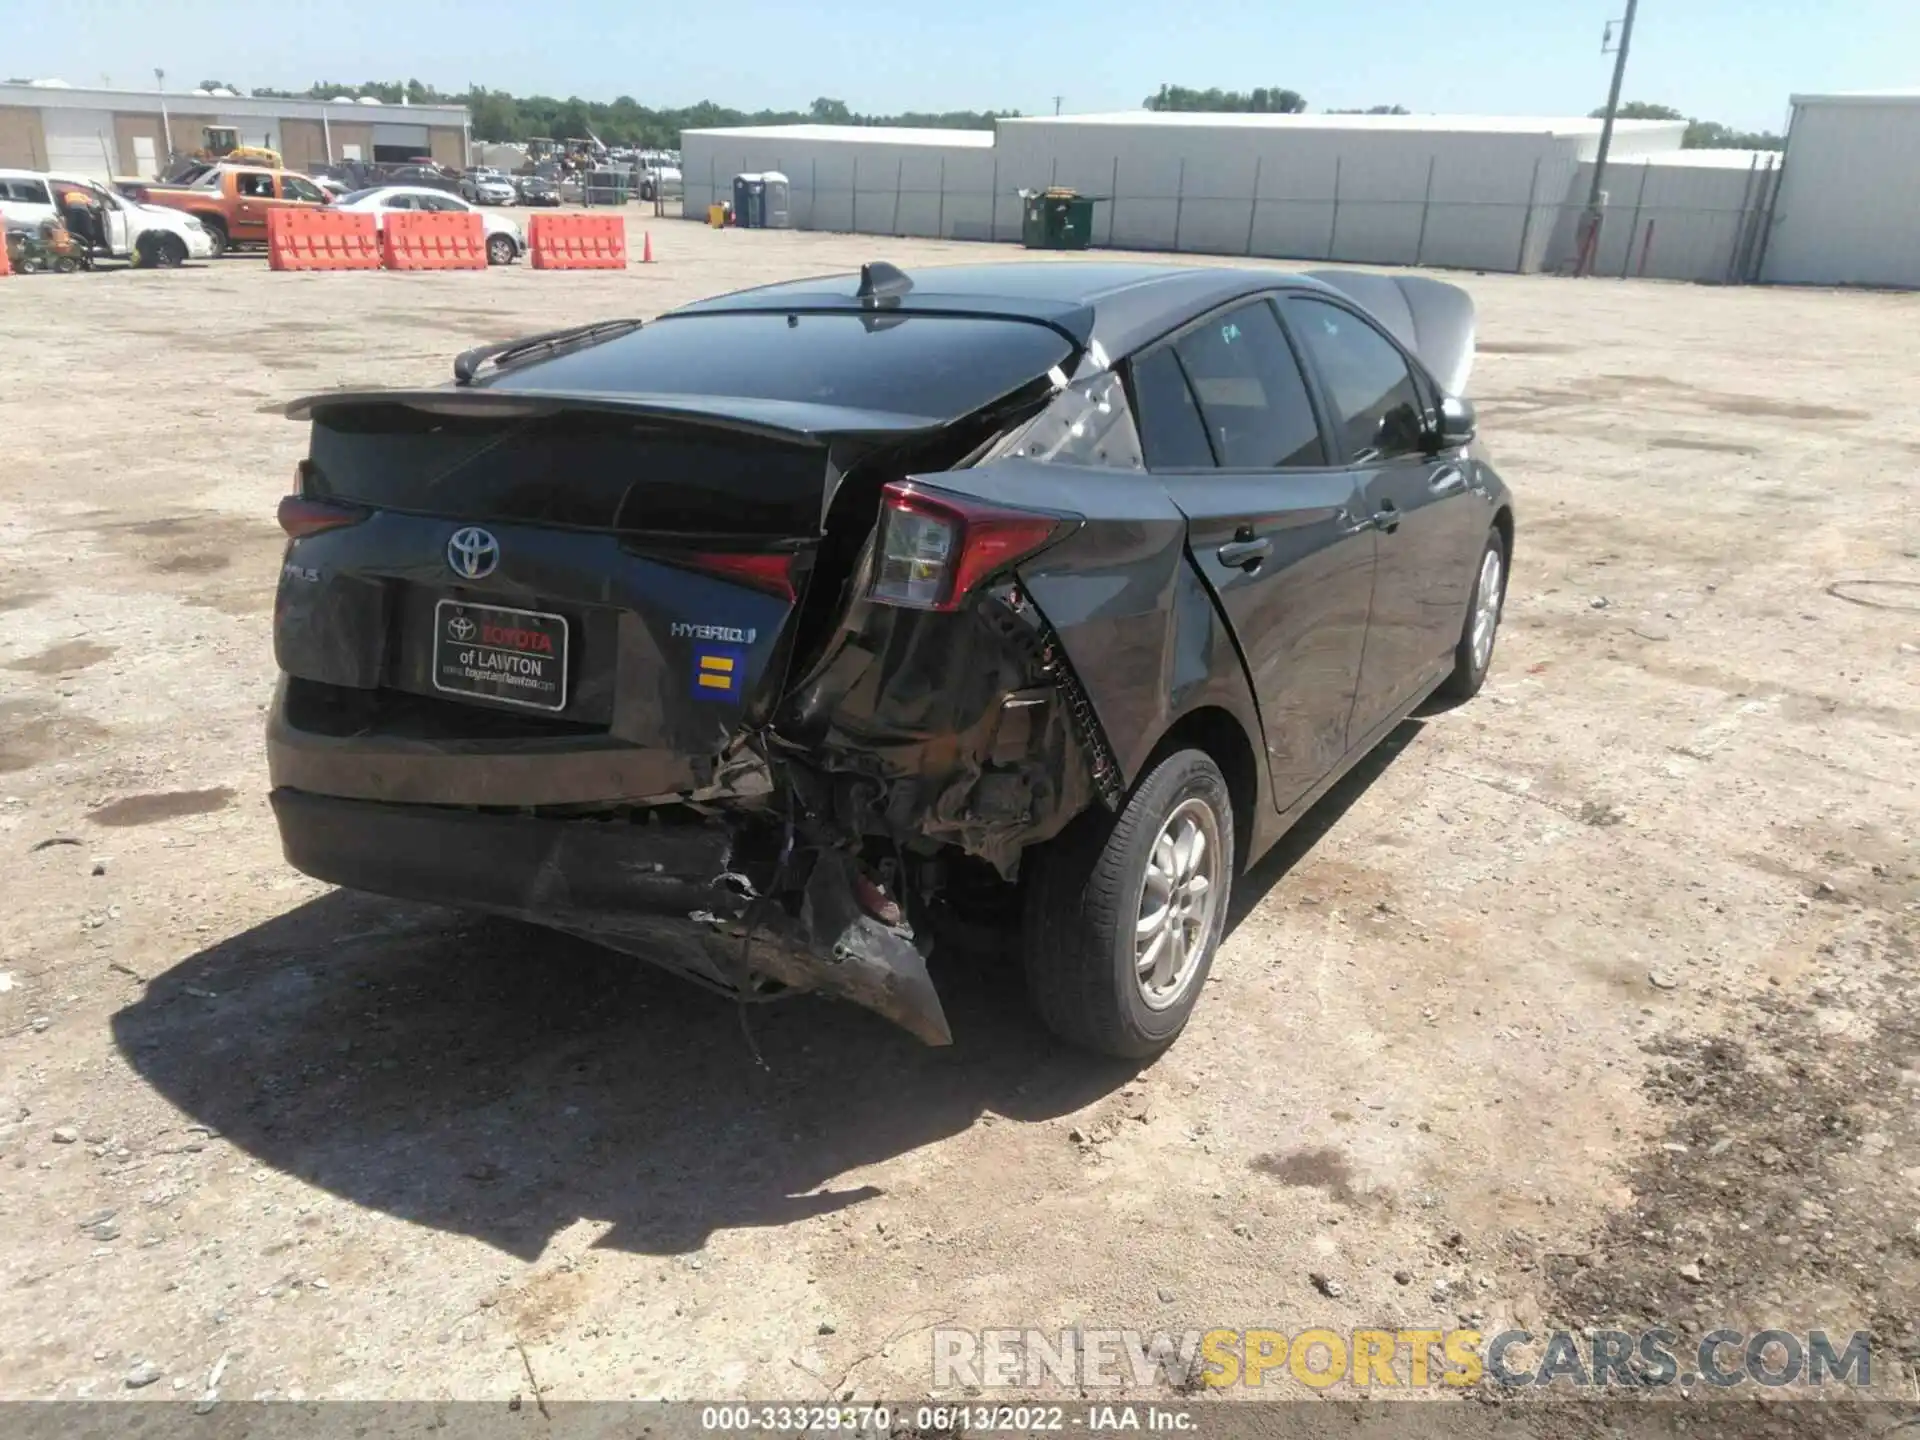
(1056, 219)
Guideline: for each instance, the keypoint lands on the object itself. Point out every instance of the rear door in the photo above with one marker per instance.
(1384, 411)
(26, 199)
(253, 196)
(1275, 529)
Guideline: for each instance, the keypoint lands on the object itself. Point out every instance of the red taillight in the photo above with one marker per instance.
(301, 517)
(934, 548)
(771, 573)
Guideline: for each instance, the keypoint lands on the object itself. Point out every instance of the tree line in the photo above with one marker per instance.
(501, 115)
(1701, 134)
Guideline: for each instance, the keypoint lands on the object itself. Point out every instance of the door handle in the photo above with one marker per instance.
(1245, 554)
(1386, 517)
(1449, 481)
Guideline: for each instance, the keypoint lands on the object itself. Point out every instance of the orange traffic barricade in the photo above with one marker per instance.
(302, 239)
(577, 242)
(434, 240)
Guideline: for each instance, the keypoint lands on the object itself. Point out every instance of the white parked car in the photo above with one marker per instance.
(659, 178)
(487, 187)
(111, 225)
(505, 240)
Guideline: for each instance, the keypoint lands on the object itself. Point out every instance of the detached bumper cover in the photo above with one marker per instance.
(668, 894)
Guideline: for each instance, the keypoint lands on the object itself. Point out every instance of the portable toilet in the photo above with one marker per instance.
(776, 201)
(749, 201)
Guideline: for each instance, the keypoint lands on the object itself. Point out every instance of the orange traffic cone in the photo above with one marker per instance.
(646, 247)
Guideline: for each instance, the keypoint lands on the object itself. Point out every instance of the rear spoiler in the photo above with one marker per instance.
(769, 419)
(1431, 318)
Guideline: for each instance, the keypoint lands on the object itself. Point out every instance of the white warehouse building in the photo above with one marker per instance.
(1478, 192)
(103, 133)
(1848, 211)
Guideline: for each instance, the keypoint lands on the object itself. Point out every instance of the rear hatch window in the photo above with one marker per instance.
(580, 469)
(934, 366)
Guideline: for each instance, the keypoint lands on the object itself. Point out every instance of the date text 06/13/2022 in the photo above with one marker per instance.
(974, 1419)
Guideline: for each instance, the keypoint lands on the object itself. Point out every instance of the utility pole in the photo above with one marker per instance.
(1590, 224)
(166, 125)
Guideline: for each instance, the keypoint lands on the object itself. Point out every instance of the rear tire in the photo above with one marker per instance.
(217, 234)
(1473, 656)
(1123, 913)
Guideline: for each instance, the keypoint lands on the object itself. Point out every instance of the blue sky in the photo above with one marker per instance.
(1730, 60)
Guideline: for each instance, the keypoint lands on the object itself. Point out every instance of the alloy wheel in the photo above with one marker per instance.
(1178, 896)
(1486, 609)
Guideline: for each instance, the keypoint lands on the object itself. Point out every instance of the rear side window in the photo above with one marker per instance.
(26, 192)
(929, 366)
(1377, 405)
(1172, 433)
(1251, 392)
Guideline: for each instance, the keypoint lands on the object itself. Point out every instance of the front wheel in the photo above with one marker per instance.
(170, 252)
(1124, 913)
(501, 250)
(1474, 654)
(217, 235)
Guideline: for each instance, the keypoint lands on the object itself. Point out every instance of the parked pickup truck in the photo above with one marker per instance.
(110, 224)
(232, 201)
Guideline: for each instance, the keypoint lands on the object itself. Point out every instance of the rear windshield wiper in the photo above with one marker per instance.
(467, 364)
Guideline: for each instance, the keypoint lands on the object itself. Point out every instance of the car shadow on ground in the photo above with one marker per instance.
(491, 1079)
(1250, 889)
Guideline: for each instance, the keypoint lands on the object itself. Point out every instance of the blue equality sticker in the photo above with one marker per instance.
(718, 671)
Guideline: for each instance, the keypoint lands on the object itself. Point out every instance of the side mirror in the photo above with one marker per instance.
(1457, 422)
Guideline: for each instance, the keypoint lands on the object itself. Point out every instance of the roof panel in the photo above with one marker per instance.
(852, 134)
(1861, 97)
(1485, 124)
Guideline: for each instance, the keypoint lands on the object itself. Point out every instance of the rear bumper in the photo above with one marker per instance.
(670, 894)
(573, 770)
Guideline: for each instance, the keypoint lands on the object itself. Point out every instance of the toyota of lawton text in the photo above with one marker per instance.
(751, 640)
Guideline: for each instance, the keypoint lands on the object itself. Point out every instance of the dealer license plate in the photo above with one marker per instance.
(515, 657)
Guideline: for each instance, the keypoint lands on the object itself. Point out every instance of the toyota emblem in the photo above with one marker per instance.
(472, 553)
(461, 628)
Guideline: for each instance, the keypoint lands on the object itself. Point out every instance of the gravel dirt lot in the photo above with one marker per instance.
(1589, 1002)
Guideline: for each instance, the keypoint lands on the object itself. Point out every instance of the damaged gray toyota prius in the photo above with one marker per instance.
(743, 640)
